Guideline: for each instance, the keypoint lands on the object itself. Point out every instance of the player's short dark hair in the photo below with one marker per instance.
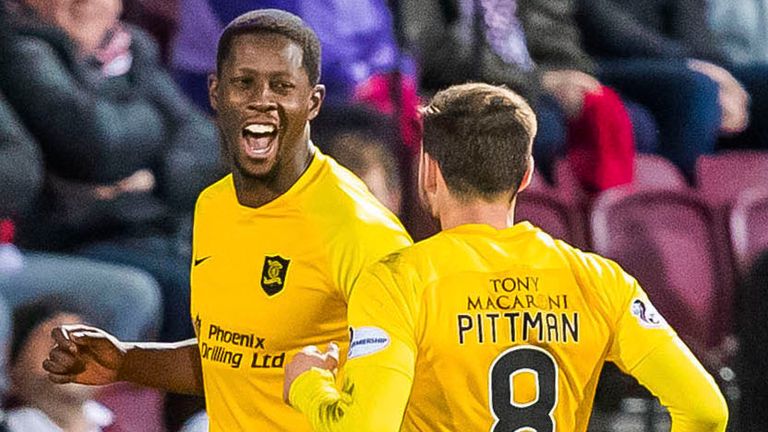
(481, 137)
(277, 22)
(28, 317)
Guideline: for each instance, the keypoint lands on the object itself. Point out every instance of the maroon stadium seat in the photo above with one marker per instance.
(135, 408)
(656, 172)
(749, 226)
(669, 242)
(550, 213)
(720, 177)
(567, 186)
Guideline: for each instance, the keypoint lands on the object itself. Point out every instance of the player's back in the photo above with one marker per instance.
(512, 329)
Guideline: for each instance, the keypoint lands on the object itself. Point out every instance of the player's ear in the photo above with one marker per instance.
(316, 101)
(213, 88)
(528, 176)
(428, 168)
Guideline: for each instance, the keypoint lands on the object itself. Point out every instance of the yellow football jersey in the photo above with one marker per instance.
(478, 329)
(268, 281)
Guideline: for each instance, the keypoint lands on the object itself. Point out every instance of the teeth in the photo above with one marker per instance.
(260, 128)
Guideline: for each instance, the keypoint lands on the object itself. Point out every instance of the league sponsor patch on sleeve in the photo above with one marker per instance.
(646, 314)
(366, 341)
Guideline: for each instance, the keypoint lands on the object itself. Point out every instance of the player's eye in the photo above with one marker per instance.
(242, 82)
(283, 86)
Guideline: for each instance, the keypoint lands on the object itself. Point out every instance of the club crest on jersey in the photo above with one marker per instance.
(273, 274)
(646, 314)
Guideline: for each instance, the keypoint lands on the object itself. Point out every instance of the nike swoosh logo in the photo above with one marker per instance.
(200, 261)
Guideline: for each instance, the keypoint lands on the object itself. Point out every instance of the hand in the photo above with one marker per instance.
(733, 99)
(84, 355)
(308, 358)
(569, 88)
(140, 181)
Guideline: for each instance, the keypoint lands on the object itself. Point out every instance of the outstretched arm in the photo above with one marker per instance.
(646, 347)
(373, 397)
(672, 373)
(381, 361)
(87, 355)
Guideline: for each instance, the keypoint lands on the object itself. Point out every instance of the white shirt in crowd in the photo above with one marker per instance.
(27, 419)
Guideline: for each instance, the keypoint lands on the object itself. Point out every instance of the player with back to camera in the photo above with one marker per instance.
(277, 244)
(491, 325)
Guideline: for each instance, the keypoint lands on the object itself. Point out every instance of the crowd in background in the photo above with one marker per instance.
(106, 137)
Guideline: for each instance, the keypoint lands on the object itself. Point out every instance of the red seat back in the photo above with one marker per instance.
(722, 176)
(669, 242)
(749, 226)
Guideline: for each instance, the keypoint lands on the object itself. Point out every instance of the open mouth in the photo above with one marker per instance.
(259, 139)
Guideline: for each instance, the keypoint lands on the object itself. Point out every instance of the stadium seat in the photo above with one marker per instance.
(669, 242)
(567, 186)
(656, 172)
(720, 177)
(135, 408)
(749, 226)
(550, 213)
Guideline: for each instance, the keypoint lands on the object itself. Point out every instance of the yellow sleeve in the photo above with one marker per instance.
(646, 347)
(357, 248)
(380, 366)
(638, 327)
(672, 373)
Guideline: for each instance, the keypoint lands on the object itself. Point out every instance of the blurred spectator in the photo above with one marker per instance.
(752, 363)
(21, 164)
(125, 155)
(362, 62)
(741, 27)
(372, 161)
(661, 54)
(568, 74)
(159, 18)
(124, 299)
(362, 141)
(41, 405)
(490, 40)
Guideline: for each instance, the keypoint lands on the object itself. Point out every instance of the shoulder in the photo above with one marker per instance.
(216, 194)
(603, 280)
(417, 261)
(350, 210)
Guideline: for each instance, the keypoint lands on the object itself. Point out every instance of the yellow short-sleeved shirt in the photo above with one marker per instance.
(268, 281)
(478, 329)
(510, 328)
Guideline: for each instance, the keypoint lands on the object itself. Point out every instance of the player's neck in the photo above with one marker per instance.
(256, 192)
(499, 215)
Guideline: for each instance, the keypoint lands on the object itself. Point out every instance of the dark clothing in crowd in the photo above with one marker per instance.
(554, 38)
(451, 49)
(643, 47)
(752, 363)
(454, 44)
(99, 131)
(21, 167)
(98, 126)
(669, 29)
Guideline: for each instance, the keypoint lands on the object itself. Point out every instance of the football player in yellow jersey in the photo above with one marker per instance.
(490, 325)
(277, 245)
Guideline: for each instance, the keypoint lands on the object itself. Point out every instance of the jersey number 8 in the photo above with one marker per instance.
(535, 415)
